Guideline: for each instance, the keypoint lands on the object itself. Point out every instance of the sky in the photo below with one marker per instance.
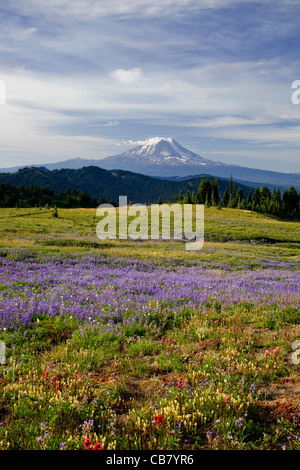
(91, 79)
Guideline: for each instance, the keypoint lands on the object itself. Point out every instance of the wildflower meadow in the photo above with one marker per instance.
(129, 345)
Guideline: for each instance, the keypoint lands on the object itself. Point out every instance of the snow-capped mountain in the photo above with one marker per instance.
(163, 157)
(159, 156)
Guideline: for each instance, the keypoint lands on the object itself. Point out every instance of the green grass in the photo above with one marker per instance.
(119, 378)
(112, 387)
(249, 237)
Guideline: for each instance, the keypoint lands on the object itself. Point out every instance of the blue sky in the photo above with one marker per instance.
(90, 79)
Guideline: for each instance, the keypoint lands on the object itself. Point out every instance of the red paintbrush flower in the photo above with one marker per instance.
(98, 446)
(87, 443)
(159, 419)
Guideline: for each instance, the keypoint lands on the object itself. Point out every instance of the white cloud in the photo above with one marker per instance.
(229, 121)
(284, 136)
(95, 8)
(111, 124)
(127, 77)
(131, 143)
(28, 31)
(102, 8)
(41, 109)
(112, 63)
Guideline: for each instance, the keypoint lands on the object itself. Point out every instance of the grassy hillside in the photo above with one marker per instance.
(249, 236)
(123, 345)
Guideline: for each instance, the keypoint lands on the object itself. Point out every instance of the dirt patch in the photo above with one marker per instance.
(208, 344)
(271, 412)
(283, 401)
(105, 377)
(286, 390)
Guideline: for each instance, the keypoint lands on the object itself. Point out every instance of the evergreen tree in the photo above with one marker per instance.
(231, 192)
(180, 197)
(265, 198)
(276, 203)
(215, 198)
(290, 200)
(204, 190)
(187, 198)
(239, 199)
(294, 200)
(225, 201)
(256, 200)
(249, 201)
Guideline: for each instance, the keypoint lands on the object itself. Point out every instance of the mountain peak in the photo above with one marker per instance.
(155, 156)
(156, 140)
(151, 145)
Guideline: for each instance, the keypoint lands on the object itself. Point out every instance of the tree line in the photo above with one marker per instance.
(259, 200)
(36, 196)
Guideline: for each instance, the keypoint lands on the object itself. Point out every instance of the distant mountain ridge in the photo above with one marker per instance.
(163, 157)
(110, 184)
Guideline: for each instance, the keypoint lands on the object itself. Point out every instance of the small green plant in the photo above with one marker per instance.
(55, 212)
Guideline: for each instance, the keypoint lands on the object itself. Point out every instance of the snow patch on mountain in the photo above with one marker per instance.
(160, 150)
(149, 146)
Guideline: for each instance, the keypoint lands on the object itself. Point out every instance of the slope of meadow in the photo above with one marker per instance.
(143, 345)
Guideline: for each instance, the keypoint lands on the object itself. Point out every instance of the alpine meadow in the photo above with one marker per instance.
(135, 345)
(149, 230)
